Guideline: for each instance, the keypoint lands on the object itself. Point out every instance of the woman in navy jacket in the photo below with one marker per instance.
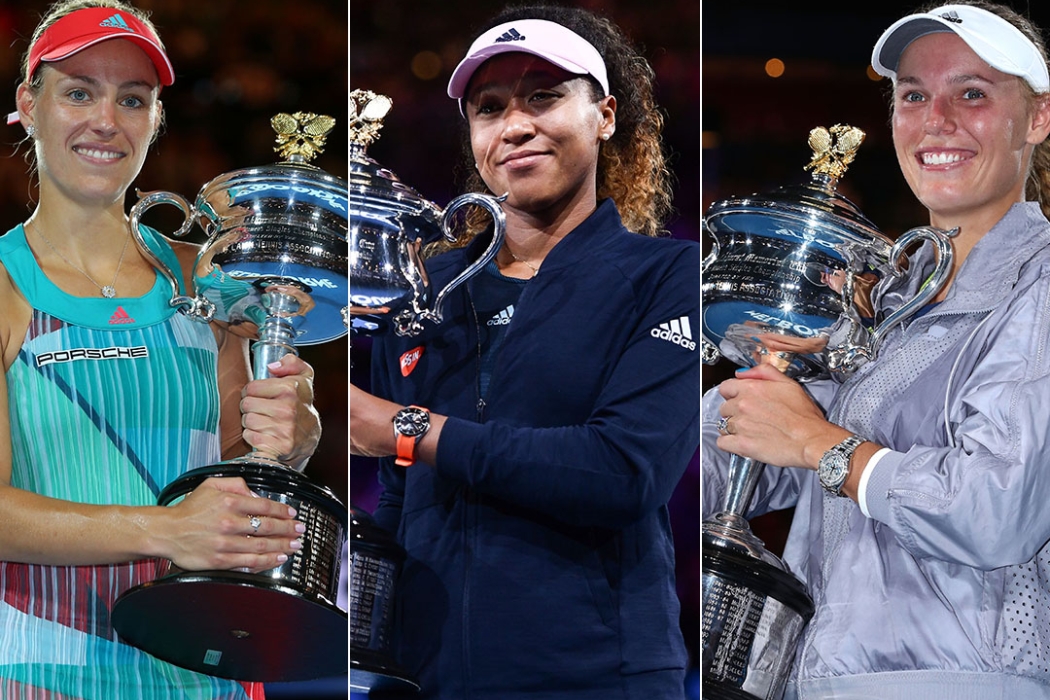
(540, 430)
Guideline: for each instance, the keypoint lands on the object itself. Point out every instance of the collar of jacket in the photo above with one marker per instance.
(994, 265)
(578, 245)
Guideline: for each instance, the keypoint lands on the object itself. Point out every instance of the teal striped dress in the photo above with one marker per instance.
(110, 401)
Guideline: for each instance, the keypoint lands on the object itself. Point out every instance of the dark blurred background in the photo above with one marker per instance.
(774, 70)
(237, 63)
(407, 49)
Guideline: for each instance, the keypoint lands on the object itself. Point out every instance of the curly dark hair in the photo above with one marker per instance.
(632, 165)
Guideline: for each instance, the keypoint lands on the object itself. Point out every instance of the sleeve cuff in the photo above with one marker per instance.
(865, 477)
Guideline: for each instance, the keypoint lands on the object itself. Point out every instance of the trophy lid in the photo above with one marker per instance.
(813, 211)
(300, 138)
(374, 186)
(279, 224)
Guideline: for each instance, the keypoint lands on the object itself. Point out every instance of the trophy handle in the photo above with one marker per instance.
(713, 255)
(409, 322)
(847, 358)
(199, 309)
(943, 248)
(709, 353)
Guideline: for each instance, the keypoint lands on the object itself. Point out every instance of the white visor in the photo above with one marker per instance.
(548, 40)
(999, 43)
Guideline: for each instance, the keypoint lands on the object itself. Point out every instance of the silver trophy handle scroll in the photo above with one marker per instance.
(409, 321)
(848, 357)
(196, 307)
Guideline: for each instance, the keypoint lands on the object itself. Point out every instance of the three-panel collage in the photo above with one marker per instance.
(524, 350)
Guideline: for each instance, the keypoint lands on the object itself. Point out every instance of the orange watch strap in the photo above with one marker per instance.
(406, 444)
(406, 450)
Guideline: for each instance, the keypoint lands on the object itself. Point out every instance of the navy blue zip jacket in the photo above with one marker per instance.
(540, 560)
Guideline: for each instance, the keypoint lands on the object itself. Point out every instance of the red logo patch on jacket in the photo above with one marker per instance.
(409, 360)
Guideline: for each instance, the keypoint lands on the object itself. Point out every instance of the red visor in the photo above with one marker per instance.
(83, 28)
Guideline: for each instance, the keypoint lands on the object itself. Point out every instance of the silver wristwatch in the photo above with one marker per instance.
(834, 465)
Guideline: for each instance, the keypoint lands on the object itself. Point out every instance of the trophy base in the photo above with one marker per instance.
(371, 671)
(753, 617)
(238, 628)
(277, 625)
(716, 691)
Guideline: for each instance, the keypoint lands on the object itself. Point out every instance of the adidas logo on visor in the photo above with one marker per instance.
(117, 22)
(677, 331)
(512, 35)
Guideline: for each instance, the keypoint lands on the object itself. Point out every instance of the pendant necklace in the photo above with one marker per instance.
(109, 291)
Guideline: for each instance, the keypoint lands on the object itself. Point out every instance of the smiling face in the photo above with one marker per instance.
(535, 131)
(963, 131)
(95, 115)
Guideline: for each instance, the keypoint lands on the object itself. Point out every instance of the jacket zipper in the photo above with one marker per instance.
(470, 509)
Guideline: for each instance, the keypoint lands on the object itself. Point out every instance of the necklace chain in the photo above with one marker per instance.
(526, 263)
(109, 291)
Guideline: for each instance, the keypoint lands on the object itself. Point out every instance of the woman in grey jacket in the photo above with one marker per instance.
(928, 560)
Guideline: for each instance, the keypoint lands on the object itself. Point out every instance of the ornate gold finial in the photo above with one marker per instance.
(834, 149)
(301, 136)
(367, 110)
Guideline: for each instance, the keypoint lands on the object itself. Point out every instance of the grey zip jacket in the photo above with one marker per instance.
(943, 590)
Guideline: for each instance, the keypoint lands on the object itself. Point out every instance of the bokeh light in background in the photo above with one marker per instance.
(237, 63)
(393, 46)
(755, 129)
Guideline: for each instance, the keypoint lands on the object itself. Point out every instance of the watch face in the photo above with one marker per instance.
(837, 470)
(412, 422)
(834, 465)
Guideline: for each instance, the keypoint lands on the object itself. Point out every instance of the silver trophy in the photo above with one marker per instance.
(273, 269)
(391, 223)
(788, 283)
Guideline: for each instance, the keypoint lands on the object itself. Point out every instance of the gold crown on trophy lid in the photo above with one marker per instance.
(833, 149)
(367, 110)
(301, 136)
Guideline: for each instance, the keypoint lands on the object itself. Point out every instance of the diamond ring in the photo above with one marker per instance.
(723, 426)
(255, 521)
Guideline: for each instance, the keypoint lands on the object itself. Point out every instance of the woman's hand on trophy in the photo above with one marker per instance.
(277, 414)
(223, 525)
(770, 418)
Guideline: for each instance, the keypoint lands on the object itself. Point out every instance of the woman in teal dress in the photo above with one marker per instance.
(108, 393)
